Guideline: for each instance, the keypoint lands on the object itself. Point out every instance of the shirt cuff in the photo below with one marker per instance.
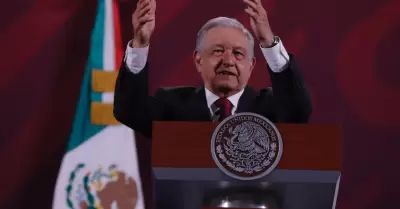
(276, 56)
(136, 58)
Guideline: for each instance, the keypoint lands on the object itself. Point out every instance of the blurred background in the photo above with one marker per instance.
(347, 50)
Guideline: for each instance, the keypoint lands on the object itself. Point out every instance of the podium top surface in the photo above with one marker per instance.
(187, 145)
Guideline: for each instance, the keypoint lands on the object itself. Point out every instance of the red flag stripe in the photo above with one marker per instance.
(117, 35)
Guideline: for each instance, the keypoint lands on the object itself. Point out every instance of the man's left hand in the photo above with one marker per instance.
(259, 22)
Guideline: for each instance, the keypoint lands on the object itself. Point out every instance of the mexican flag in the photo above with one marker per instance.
(100, 170)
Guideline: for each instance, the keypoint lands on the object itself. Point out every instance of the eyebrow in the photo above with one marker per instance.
(235, 47)
(218, 45)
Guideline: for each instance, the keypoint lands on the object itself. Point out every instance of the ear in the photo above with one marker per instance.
(253, 64)
(198, 61)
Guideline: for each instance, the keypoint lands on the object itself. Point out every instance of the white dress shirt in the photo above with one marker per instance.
(276, 57)
(211, 98)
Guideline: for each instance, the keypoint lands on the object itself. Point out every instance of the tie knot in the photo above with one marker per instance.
(224, 108)
(223, 103)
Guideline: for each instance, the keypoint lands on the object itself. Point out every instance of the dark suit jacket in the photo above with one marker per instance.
(287, 101)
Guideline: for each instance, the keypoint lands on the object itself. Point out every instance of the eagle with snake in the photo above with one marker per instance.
(249, 144)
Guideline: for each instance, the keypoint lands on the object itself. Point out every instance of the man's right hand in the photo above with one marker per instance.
(143, 21)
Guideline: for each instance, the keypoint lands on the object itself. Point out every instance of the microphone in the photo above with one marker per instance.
(216, 115)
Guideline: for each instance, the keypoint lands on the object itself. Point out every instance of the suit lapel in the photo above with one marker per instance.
(246, 100)
(197, 106)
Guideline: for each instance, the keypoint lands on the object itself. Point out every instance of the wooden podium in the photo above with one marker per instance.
(306, 177)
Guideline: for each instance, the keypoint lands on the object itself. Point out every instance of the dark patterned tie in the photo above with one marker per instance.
(224, 108)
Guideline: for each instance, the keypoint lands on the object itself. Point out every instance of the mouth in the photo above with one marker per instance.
(224, 72)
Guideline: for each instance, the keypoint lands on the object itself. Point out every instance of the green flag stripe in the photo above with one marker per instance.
(82, 129)
(96, 97)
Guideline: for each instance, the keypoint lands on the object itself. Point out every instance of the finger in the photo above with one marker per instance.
(251, 4)
(145, 19)
(144, 11)
(153, 2)
(153, 7)
(251, 13)
(258, 2)
(141, 4)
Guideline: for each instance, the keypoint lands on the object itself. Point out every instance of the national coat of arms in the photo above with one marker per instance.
(101, 188)
(246, 146)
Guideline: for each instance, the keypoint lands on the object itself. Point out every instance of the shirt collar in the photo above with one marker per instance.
(211, 98)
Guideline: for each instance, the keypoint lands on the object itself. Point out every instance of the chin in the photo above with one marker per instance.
(225, 87)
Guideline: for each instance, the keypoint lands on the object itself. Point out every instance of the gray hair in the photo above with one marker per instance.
(226, 23)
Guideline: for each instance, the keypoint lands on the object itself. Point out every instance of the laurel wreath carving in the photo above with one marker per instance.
(69, 188)
(265, 163)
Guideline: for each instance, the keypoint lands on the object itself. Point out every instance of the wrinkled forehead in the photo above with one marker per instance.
(226, 37)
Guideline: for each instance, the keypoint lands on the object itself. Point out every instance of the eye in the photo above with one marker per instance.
(218, 51)
(238, 54)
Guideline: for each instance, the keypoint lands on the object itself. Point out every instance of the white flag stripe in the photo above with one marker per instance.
(102, 149)
(107, 97)
(108, 41)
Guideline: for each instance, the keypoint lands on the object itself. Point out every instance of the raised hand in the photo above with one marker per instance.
(143, 21)
(259, 22)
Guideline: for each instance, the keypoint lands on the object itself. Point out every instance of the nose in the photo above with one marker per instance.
(228, 59)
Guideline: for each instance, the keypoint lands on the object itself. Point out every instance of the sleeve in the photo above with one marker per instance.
(133, 106)
(136, 58)
(276, 57)
(291, 96)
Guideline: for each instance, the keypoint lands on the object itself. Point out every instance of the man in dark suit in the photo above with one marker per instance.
(224, 58)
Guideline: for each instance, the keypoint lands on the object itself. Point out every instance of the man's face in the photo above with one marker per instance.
(225, 63)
